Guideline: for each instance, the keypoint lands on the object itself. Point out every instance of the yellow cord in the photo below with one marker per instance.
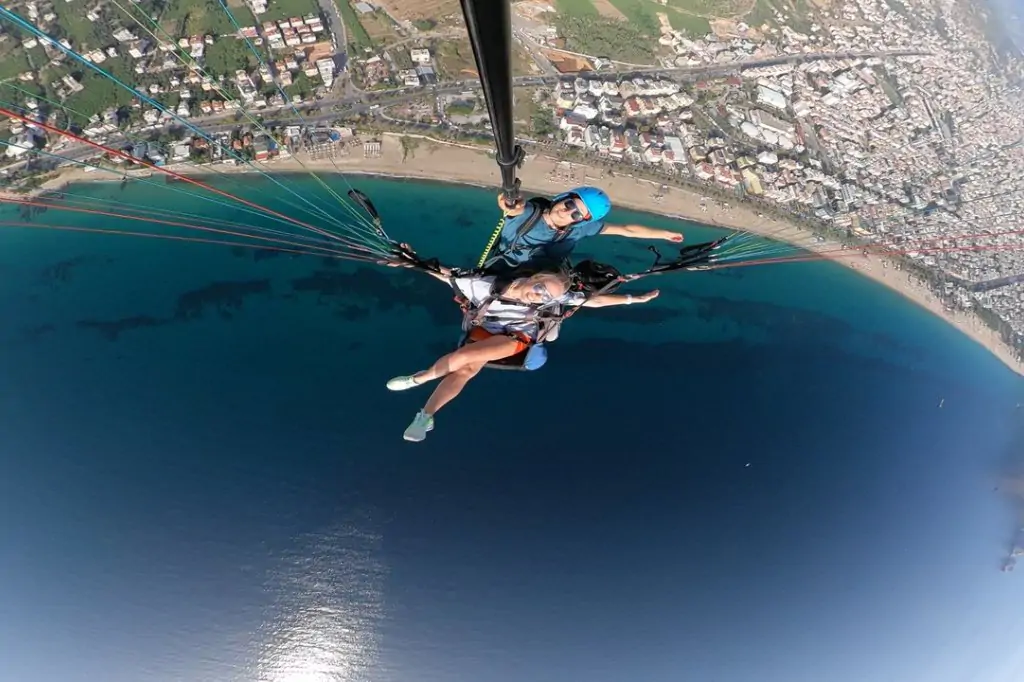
(490, 244)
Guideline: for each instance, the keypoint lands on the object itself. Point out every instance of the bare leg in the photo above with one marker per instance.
(450, 387)
(474, 354)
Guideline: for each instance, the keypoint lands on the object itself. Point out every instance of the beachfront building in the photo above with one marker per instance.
(20, 144)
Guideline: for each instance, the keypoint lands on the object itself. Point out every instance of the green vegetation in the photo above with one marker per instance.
(452, 58)
(763, 13)
(101, 93)
(12, 63)
(603, 37)
(693, 25)
(286, 9)
(82, 33)
(576, 8)
(37, 57)
(425, 24)
(200, 17)
(460, 108)
(17, 94)
(641, 14)
(543, 121)
(710, 8)
(409, 145)
(226, 56)
(356, 35)
(302, 85)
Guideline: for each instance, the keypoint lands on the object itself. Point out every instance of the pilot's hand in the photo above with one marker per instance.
(511, 208)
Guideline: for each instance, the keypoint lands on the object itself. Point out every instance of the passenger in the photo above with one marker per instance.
(503, 320)
(545, 231)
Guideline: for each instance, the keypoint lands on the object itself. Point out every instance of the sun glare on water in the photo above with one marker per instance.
(326, 620)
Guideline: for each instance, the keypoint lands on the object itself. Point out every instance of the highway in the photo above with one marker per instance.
(362, 103)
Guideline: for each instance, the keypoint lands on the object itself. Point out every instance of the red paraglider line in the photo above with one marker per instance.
(171, 237)
(65, 198)
(179, 176)
(173, 223)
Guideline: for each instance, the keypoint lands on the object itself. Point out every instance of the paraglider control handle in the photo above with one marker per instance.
(406, 257)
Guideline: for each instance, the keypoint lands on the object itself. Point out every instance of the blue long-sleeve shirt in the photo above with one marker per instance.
(540, 242)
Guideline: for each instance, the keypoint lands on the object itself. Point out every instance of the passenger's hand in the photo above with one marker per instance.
(649, 296)
(676, 237)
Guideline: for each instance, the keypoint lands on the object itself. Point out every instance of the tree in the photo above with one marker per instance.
(542, 122)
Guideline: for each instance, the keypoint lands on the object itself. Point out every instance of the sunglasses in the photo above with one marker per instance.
(543, 292)
(577, 211)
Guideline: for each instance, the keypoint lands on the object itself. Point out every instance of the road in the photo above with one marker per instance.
(362, 103)
(534, 50)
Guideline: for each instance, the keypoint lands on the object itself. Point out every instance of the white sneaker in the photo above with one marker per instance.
(402, 383)
(417, 431)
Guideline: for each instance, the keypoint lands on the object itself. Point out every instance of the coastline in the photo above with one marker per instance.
(464, 164)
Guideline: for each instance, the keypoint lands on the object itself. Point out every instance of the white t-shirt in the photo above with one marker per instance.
(500, 316)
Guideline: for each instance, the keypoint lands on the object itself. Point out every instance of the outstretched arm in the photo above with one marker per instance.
(444, 274)
(642, 232)
(605, 300)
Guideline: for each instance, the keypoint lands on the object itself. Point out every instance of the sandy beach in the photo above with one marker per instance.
(448, 162)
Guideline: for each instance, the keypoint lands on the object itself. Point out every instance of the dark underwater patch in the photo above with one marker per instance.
(61, 272)
(265, 254)
(225, 297)
(643, 315)
(376, 289)
(352, 313)
(112, 329)
(788, 325)
(35, 333)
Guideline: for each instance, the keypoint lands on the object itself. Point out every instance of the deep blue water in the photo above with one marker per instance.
(203, 476)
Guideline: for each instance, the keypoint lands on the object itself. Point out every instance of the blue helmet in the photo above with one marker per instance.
(596, 201)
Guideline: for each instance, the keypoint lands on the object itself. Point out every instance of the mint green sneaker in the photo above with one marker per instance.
(402, 383)
(417, 431)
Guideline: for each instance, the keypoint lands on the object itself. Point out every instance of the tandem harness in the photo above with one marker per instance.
(547, 317)
(588, 277)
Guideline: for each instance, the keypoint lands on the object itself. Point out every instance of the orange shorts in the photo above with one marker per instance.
(479, 334)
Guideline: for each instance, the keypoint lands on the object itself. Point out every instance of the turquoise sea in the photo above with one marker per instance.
(781, 473)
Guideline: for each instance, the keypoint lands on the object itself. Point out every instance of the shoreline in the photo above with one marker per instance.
(469, 165)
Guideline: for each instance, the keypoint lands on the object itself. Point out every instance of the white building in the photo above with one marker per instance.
(586, 111)
(420, 55)
(770, 97)
(19, 144)
(326, 69)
